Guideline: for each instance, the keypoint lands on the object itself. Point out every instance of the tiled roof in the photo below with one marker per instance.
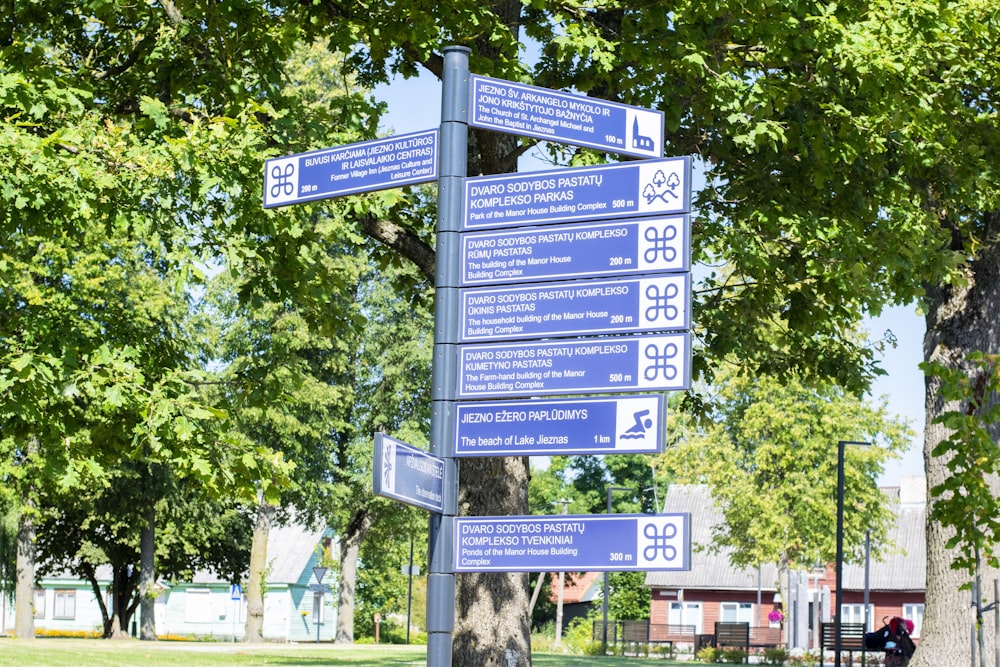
(903, 570)
(577, 587)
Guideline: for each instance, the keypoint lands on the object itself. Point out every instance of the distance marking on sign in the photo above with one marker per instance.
(609, 425)
(629, 189)
(573, 543)
(532, 111)
(392, 162)
(576, 308)
(619, 364)
(605, 249)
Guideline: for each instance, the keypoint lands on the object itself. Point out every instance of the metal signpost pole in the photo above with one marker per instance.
(604, 602)
(454, 145)
(839, 565)
(839, 606)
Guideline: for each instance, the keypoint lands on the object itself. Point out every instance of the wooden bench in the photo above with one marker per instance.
(852, 638)
(765, 637)
(666, 633)
(644, 632)
(733, 635)
(635, 632)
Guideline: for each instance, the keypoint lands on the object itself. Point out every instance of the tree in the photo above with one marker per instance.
(391, 373)
(769, 455)
(846, 148)
(97, 232)
(849, 150)
(83, 530)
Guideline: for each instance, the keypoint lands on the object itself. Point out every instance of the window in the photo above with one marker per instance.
(685, 613)
(64, 605)
(39, 603)
(197, 605)
(855, 613)
(318, 608)
(915, 613)
(736, 612)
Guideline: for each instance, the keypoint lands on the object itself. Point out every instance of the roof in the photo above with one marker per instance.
(904, 569)
(710, 571)
(290, 550)
(577, 587)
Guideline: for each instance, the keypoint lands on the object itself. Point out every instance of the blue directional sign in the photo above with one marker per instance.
(618, 247)
(573, 543)
(609, 365)
(629, 189)
(576, 308)
(362, 167)
(544, 113)
(616, 425)
(408, 474)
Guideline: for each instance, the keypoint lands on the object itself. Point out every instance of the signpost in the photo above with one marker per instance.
(408, 474)
(610, 425)
(236, 595)
(602, 242)
(568, 543)
(628, 189)
(616, 248)
(405, 159)
(530, 111)
(576, 308)
(320, 589)
(620, 364)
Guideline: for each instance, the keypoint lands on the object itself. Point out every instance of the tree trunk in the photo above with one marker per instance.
(147, 576)
(24, 594)
(122, 588)
(350, 548)
(492, 628)
(960, 319)
(254, 630)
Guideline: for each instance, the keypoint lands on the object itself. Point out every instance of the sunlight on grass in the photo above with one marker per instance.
(128, 653)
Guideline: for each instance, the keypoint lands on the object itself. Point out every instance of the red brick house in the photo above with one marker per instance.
(713, 590)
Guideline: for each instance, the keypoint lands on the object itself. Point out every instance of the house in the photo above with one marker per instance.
(208, 606)
(713, 590)
(581, 591)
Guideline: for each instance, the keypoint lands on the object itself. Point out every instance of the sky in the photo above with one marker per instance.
(415, 105)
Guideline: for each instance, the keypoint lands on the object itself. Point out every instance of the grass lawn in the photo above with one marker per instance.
(131, 653)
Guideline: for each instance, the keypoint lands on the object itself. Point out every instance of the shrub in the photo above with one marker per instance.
(708, 654)
(777, 655)
(734, 656)
(70, 634)
(665, 650)
(803, 658)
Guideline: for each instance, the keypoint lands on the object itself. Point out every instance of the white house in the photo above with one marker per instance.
(208, 606)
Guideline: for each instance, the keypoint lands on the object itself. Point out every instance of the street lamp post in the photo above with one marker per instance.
(604, 640)
(838, 640)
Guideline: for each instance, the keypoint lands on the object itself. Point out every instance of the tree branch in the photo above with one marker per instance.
(403, 241)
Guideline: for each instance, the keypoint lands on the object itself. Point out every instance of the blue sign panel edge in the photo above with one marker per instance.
(575, 565)
(377, 464)
(659, 427)
(575, 226)
(686, 166)
(630, 322)
(490, 393)
(606, 147)
(319, 196)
